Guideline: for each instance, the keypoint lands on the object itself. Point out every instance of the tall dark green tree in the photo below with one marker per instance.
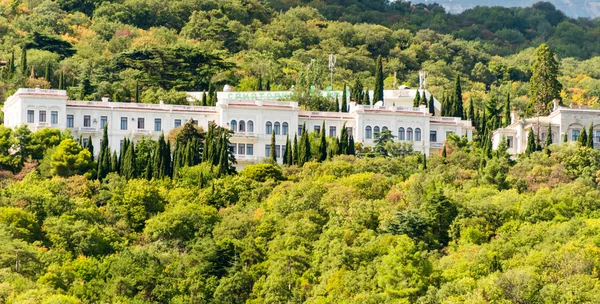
(128, 164)
(204, 99)
(344, 100)
(565, 138)
(337, 105)
(322, 144)
(48, 74)
(114, 162)
(85, 87)
(272, 152)
(304, 149)
(531, 142)
(287, 153)
(61, 80)
(417, 99)
(471, 112)
(161, 162)
(583, 138)
(444, 152)
(351, 149)
(366, 100)
(137, 91)
(431, 105)
(343, 146)
(458, 101)
(378, 92)
(104, 156)
(548, 136)
(357, 92)
(544, 85)
(424, 161)
(90, 146)
(224, 167)
(507, 111)
(295, 150)
(590, 139)
(23, 66)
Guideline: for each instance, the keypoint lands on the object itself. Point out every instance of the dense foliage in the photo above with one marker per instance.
(464, 227)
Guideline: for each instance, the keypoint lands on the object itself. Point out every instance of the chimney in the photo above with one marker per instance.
(105, 98)
(513, 116)
(556, 103)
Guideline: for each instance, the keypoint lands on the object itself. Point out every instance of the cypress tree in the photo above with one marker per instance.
(148, 171)
(357, 91)
(90, 147)
(583, 137)
(176, 159)
(158, 171)
(343, 146)
(471, 112)
(423, 98)
(223, 168)
(531, 143)
(417, 100)
(367, 100)
(114, 162)
(378, 92)
(272, 153)
(590, 139)
(507, 109)
(104, 155)
(304, 148)
(444, 153)
(268, 86)
(24, 61)
(351, 150)
(431, 105)
(337, 105)
(137, 92)
(344, 100)
(548, 136)
(47, 74)
(204, 100)
(61, 80)
(122, 153)
(424, 161)
(128, 164)
(295, 150)
(565, 138)
(260, 84)
(458, 102)
(286, 153)
(323, 145)
(11, 65)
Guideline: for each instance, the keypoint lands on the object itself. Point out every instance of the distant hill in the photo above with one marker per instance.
(572, 8)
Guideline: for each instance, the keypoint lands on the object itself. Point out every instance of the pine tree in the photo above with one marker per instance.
(322, 145)
(114, 162)
(417, 100)
(590, 139)
(507, 110)
(351, 150)
(583, 137)
(343, 146)
(544, 85)
(24, 69)
(295, 150)
(344, 100)
(458, 101)
(90, 147)
(431, 105)
(85, 87)
(272, 153)
(531, 143)
(378, 92)
(128, 164)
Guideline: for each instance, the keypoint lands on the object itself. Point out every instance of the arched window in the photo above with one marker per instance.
(400, 133)
(233, 126)
(284, 129)
(418, 134)
(368, 134)
(250, 126)
(409, 134)
(242, 126)
(269, 128)
(376, 131)
(384, 128)
(277, 128)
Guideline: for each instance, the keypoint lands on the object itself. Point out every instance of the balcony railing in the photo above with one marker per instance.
(239, 157)
(88, 130)
(141, 132)
(245, 134)
(436, 144)
(42, 124)
(42, 91)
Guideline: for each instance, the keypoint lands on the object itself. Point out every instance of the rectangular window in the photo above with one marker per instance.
(433, 136)
(157, 124)
(121, 145)
(241, 149)
(177, 123)
(575, 135)
(249, 149)
(141, 123)
(84, 142)
(87, 121)
(299, 130)
(42, 116)
(277, 151)
(103, 121)
(194, 122)
(267, 150)
(598, 136)
(349, 129)
(332, 131)
(70, 121)
(509, 141)
(54, 117)
(30, 116)
(283, 148)
(123, 123)
(317, 128)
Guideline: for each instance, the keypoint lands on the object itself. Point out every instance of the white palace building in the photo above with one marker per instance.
(251, 115)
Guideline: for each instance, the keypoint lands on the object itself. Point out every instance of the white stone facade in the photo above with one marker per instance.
(252, 120)
(563, 120)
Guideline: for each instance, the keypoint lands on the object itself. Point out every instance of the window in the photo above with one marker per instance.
(84, 143)
(299, 130)
(241, 149)
(417, 134)
(54, 117)
(70, 121)
(30, 116)
(509, 141)
(433, 136)
(87, 121)
(157, 124)
(141, 123)
(249, 149)
(598, 136)
(250, 126)
(242, 126)
(285, 128)
(277, 128)
(42, 116)
(233, 125)
(269, 127)
(409, 134)
(103, 121)
(194, 122)
(177, 123)
(575, 135)
(267, 150)
(368, 134)
(317, 128)
(332, 131)
(283, 148)
(121, 145)
(376, 131)
(400, 133)
(277, 151)
(349, 129)
(123, 123)
(384, 128)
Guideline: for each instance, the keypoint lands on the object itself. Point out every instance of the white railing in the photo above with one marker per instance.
(436, 144)
(240, 157)
(42, 91)
(392, 108)
(42, 124)
(444, 119)
(146, 106)
(88, 129)
(141, 132)
(245, 134)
